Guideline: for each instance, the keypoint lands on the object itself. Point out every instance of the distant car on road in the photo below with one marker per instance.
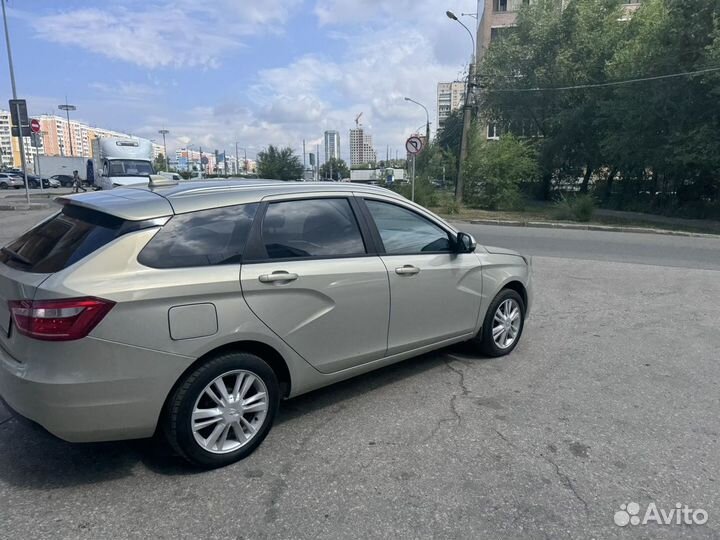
(64, 179)
(193, 309)
(11, 180)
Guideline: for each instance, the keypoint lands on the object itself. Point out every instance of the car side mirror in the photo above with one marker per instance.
(465, 243)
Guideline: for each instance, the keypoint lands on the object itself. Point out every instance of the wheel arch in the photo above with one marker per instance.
(263, 350)
(518, 287)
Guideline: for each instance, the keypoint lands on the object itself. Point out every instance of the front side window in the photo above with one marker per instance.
(205, 238)
(311, 228)
(404, 232)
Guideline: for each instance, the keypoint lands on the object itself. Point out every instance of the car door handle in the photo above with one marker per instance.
(407, 270)
(277, 276)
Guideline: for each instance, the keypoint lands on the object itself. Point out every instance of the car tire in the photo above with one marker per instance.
(3, 185)
(495, 339)
(191, 406)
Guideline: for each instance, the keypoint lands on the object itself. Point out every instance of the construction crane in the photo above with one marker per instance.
(357, 120)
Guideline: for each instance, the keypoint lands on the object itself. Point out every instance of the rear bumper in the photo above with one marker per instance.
(106, 392)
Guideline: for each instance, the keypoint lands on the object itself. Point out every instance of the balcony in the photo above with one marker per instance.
(504, 6)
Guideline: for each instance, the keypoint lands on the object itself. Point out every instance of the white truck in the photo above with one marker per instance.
(122, 161)
(63, 166)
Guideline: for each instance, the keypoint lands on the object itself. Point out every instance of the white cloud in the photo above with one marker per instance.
(176, 33)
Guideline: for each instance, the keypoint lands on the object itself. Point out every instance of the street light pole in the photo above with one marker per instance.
(164, 132)
(427, 114)
(467, 114)
(21, 142)
(67, 108)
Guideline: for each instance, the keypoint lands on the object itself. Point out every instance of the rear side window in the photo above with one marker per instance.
(206, 238)
(311, 228)
(62, 240)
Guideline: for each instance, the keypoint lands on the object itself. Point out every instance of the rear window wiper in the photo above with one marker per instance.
(15, 255)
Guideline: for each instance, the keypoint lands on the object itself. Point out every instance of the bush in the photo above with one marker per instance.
(425, 194)
(495, 170)
(451, 207)
(575, 208)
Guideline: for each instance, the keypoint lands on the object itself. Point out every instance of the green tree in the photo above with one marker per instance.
(495, 170)
(279, 164)
(338, 167)
(160, 164)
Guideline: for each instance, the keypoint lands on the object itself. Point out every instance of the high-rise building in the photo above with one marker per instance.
(361, 148)
(332, 145)
(450, 97)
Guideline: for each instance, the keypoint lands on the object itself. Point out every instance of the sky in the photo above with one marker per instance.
(217, 72)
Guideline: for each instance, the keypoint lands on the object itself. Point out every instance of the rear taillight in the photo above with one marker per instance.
(58, 320)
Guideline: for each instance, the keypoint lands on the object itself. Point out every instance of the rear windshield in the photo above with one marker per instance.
(63, 240)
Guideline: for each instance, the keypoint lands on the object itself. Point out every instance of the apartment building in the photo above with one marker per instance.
(61, 138)
(450, 97)
(361, 147)
(10, 147)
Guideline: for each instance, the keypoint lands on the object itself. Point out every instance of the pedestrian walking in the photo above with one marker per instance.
(77, 183)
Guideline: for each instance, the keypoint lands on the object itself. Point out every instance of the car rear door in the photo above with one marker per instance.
(435, 292)
(309, 276)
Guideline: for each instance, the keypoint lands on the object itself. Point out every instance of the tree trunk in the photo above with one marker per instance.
(546, 186)
(586, 179)
(609, 184)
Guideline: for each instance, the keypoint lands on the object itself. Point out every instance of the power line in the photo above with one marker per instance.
(612, 83)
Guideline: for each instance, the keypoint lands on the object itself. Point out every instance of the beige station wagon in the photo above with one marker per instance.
(190, 310)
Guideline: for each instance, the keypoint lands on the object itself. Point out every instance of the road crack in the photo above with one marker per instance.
(565, 480)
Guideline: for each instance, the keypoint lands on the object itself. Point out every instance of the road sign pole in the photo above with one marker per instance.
(37, 159)
(413, 178)
(21, 143)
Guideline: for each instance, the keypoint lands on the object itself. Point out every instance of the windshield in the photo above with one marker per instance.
(130, 167)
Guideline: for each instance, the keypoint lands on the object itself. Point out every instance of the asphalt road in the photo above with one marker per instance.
(612, 397)
(652, 249)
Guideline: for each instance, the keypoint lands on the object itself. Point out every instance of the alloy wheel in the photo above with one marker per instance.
(506, 324)
(229, 412)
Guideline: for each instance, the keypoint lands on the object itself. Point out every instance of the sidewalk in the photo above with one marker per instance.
(39, 200)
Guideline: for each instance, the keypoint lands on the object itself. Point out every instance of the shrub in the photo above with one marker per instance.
(494, 171)
(575, 208)
(425, 194)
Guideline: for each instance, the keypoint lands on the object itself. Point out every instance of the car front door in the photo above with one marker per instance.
(310, 278)
(435, 292)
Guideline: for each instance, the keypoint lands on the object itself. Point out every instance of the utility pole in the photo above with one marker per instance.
(467, 125)
(67, 108)
(164, 132)
(17, 105)
(237, 158)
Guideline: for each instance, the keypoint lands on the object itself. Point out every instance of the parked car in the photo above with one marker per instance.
(64, 179)
(34, 182)
(194, 308)
(11, 180)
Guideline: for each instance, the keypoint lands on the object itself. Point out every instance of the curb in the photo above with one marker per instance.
(579, 227)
